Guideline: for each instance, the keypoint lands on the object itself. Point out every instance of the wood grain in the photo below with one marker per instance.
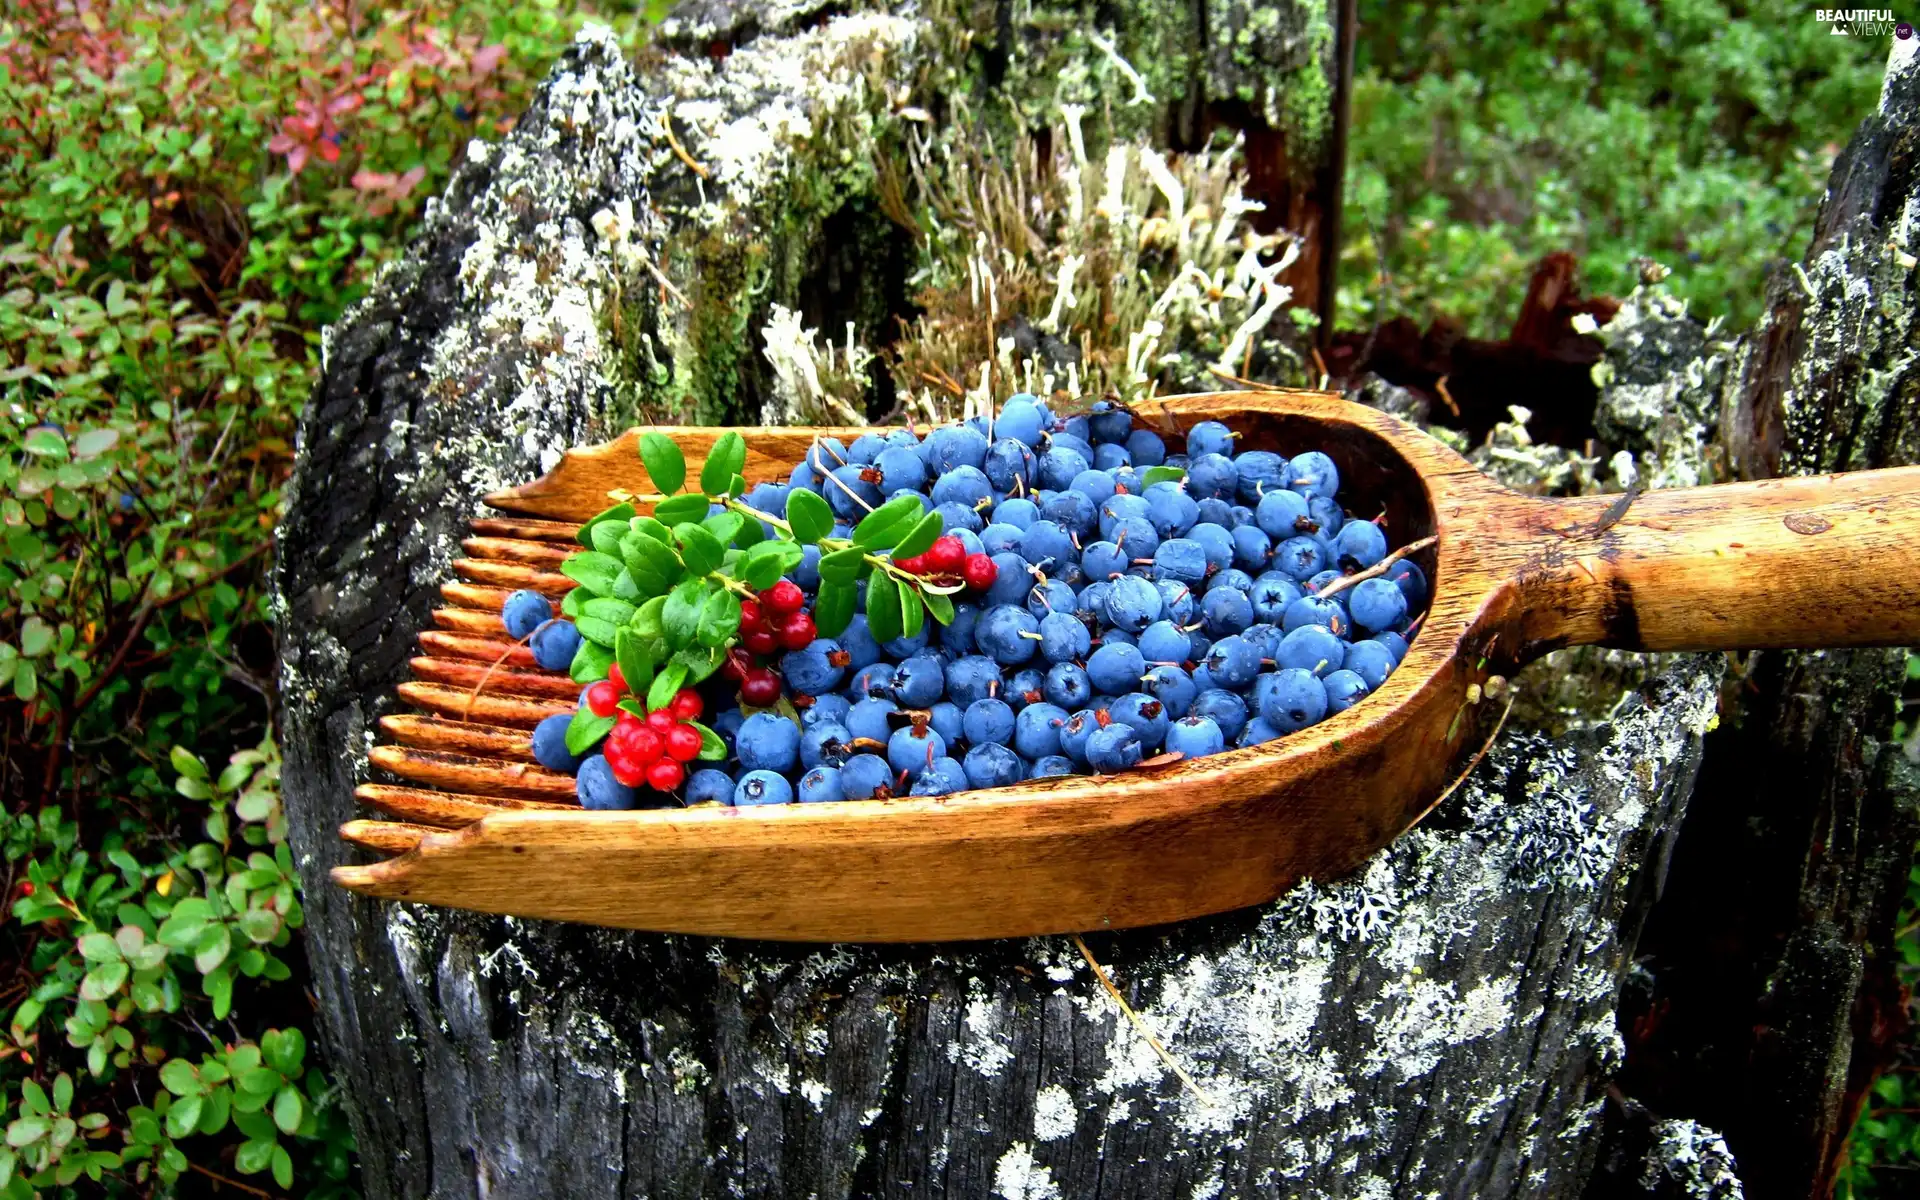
(1731, 567)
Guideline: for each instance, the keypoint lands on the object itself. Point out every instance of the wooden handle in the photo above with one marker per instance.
(1828, 560)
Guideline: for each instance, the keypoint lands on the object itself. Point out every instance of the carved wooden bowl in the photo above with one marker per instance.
(1826, 561)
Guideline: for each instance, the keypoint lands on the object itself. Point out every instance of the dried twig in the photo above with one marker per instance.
(1100, 974)
(680, 152)
(1482, 753)
(1379, 568)
(466, 711)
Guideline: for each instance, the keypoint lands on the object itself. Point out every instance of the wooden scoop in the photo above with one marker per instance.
(1826, 561)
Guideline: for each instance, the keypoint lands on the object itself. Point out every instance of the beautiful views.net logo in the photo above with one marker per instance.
(1863, 22)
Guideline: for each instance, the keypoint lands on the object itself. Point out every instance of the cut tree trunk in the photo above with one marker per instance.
(1442, 1023)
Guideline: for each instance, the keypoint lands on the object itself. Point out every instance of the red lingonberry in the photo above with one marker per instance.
(616, 678)
(760, 688)
(626, 720)
(603, 698)
(750, 615)
(647, 745)
(683, 743)
(912, 564)
(627, 771)
(737, 665)
(686, 705)
(783, 597)
(796, 631)
(666, 775)
(980, 573)
(761, 641)
(946, 556)
(660, 720)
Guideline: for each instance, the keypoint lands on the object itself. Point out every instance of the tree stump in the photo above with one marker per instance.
(1441, 1023)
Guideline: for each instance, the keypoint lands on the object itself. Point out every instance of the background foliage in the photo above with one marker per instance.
(190, 190)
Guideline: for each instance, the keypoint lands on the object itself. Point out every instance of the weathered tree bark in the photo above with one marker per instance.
(1443, 1023)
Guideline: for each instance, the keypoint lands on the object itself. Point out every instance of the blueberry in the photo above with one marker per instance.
(1359, 545)
(850, 496)
(1115, 748)
(864, 776)
(1118, 508)
(1313, 610)
(989, 720)
(1104, 560)
(554, 645)
(807, 572)
(1147, 715)
(1371, 660)
(816, 670)
(1024, 687)
(1116, 668)
(1019, 418)
(550, 744)
(1171, 686)
(728, 724)
(1215, 511)
(1145, 448)
(1177, 603)
(1135, 536)
(1010, 466)
(1252, 549)
(1093, 483)
(1395, 642)
(710, 787)
(1344, 690)
(867, 719)
(1411, 581)
(912, 749)
(865, 448)
(1256, 732)
(1036, 732)
(1265, 637)
(1111, 457)
(974, 677)
(1232, 577)
(1319, 582)
(1018, 512)
(1327, 514)
(1296, 700)
(907, 647)
(1311, 648)
(1242, 515)
(1212, 475)
(1223, 708)
(1058, 466)
(956, 637)
(1133, 603)
(1000, 538)
(1051, 597)
(857, 640)
(953, 446)
(1064, 638)
(958, 519)
(1109, 426)
(1209, 437)
(1234, 661)
(598, 789)
(821, 784)
(524, 612)
(1043, 544)
(1002, 634)
(874, 679)
(992, 766)
(1313, 474)
(1071, 511)
(1171, 510)
(1011, 584)
(944, 777)
(1195, 737)
(919, 681)
(824, 743)
(962, 485)
(1181, 559)
(1110, 636)
(1301, 557)
(1260, 472)
(768, 743)
(1081, 726)
(1051, 767)
(1093, 600)
(901, 469)
(1067, 686)
(1227, 610)
(1378, 603)
(1164, 642)
(1216, 541)
(762, 787)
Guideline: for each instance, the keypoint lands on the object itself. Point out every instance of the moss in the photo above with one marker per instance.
(730, 274)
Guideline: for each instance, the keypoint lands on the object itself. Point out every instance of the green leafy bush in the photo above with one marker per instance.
(1485, 136)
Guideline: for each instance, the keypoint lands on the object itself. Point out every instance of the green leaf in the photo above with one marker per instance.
(883, 607)
(99, 947)
(699, 549)
(665, 685)
(764, 563)
(940, 606)
(665, 465)
(833, 611)
(920, 536)
(592, 570)
(590, 662)
(36, 637)
(712, 749)
(282, 1167)
(636, 665)
(606, 608)
(62, 1092)
(27, 1130)
(212, 949)
(605, 537)
(681, 509)
(45, 441)
(95, 442)
(184, 1115)
(253, 1157)
(585, 730)
(724, 461)
(599, 632)
(750, 533)
(913, 614)
(809, 515)
(700, 662)
(842, 566)
(624, 587)
(285, 1050)
(1153, 475)
(104, 981)
(288, 1109)
(646, 619)
(653, 565)
(719, 618)
(621, 513)
(724, 526)
(887, 524)
(649, 527)
(573, 602)
(680, 619)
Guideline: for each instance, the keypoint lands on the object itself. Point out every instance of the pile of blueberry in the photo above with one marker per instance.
(1113, 603)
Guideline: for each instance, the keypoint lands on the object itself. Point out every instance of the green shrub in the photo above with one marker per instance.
(189, 190)
(1485, 136)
